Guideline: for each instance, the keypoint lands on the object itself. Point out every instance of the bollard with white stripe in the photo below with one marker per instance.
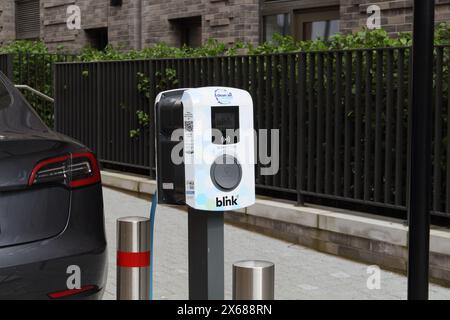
(133, 258)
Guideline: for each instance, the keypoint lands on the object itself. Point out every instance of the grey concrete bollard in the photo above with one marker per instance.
(253, 280)
(133, 258)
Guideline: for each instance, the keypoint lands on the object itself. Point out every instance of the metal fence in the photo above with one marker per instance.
(342, 116)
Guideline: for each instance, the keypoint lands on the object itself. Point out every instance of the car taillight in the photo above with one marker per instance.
(75, 170)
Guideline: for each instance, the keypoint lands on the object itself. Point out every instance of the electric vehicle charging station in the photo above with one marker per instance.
(205, 160)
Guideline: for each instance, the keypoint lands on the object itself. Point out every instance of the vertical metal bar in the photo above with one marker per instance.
(347, 124)
(420, 183)
(254, 83)
(276, 107)
(133, 100)
(368, 128)
(152, 79)
(358, 128)
(268, 107)
(233, 71)
(388, 128)
(301, 105)
(319, 125)
(437, 171)
(284, 122)
(195, 72)
(311, 120)
(186, 74)
(338, 128)
(378, 178)
(261, 92)
(329, 126)
(206, 255)
(292, 117)
(253, 88)
(209, 65)
(238, 76)
(245, 73)
(447, 185)
(56, 97)
(112, 84)
(225, 71)
(122, 98)
(400, 127)
(216, 71)
(409, 125)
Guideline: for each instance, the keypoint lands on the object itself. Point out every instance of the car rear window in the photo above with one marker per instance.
(15, 113)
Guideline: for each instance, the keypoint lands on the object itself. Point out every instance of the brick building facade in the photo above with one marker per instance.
(137, 23)
(133, 24)
(6, 21)
(396, 15)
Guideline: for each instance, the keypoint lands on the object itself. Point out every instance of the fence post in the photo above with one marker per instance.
(133, 258)
(253, 280)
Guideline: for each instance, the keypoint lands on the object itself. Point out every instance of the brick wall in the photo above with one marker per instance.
(226, 20)
(120, 21)
(7, 28)
(396, 15)
(54, 16)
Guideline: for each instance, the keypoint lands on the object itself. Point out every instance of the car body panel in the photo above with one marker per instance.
(44, 228)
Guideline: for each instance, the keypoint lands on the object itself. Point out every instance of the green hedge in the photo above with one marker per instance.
(33, 61)
(279, 44)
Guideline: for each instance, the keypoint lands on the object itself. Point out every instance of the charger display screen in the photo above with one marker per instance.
(225, 125)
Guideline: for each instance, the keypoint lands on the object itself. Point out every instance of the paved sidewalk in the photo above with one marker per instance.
(301, 273)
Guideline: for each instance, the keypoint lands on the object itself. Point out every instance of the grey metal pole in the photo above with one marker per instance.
(420, 169)
(206, 255)
(253, 280)
(133, 258)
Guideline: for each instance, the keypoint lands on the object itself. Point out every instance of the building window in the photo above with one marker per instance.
(300, 18)
(277, 23)
(188, 31)
(316, 24)
(97, 37)
(320, 29)
(28, 21)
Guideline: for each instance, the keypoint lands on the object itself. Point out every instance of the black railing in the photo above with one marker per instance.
(342, 117)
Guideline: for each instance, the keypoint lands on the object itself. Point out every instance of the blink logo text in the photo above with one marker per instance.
(226, 201)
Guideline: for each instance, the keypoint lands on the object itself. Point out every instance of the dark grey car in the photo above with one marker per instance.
(51, 209)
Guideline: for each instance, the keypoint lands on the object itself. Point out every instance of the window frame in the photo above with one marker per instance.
(302, 17)
(292, 7)
(263, 31)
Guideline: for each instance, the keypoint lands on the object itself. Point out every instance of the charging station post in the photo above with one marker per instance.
(206, 255)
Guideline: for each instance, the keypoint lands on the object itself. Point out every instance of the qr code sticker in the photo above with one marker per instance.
(189, 126)
(190, 185)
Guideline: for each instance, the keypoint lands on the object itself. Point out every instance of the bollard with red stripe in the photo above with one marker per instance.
(133, 258)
